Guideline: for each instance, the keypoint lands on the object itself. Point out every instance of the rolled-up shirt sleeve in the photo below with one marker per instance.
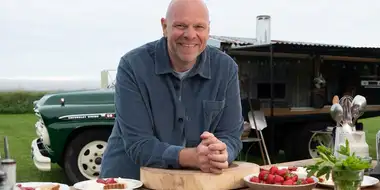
(136, 124)
(230, 126)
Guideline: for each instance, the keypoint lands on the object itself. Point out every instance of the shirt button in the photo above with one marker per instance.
(180, 120)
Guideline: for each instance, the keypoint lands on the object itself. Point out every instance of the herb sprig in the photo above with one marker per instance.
(328, 162)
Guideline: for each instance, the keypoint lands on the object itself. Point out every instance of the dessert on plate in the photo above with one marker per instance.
(49, 187)
(41, 187)
(103, 184)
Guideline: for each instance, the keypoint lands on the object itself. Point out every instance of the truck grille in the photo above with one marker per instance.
(42, 148)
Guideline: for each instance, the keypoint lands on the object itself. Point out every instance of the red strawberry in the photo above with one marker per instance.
(263, 175)
(101, 181)
(270, 179)
(273, 170)
(278, 179)
(298, 182)
(282, 172)
(288, 182)
(302, 181)
(292, 168)
(262, 169)
(309, 180)
(255, 179)
(291, 176)
(110, 181)
(321, 179)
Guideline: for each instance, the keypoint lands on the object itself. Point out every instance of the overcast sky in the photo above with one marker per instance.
(79, 38)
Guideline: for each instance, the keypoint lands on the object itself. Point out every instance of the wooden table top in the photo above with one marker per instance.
(299, 163)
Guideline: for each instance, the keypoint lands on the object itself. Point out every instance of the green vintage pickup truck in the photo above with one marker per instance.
(72, 131)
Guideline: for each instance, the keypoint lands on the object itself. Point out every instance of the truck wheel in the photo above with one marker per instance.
(317, 139)
(83, 156)
(301, 142)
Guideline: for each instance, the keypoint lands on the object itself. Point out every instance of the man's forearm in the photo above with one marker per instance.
(230, 126)
(187, 158)
(232, 141)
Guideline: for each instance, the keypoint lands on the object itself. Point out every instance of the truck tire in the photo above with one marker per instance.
(297, 141)
(83, 155)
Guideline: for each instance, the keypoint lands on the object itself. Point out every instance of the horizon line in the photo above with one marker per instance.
(51, 78)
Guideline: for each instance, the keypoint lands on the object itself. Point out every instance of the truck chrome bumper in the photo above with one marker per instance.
(42, 132)
(42, 163)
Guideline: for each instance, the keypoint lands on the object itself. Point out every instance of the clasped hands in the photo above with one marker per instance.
(212, 155)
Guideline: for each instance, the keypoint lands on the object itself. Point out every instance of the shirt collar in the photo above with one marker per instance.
(163, 66)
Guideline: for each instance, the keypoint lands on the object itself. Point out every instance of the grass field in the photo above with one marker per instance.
(20, 132)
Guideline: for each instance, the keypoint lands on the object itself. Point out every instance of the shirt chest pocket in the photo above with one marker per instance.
(211, 111)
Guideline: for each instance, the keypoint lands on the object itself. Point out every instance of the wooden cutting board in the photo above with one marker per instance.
(165, 179)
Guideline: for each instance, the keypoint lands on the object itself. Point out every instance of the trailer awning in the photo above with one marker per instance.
(300, 48)
(304, 50)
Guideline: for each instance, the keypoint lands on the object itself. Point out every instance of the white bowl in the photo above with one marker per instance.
(260, 186)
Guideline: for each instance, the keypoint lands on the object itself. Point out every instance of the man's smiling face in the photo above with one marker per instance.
(187, 30)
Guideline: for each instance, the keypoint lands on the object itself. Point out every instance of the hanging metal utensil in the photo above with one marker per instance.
(358, 105)
(347, 125)
(345, 102)
(336, 113)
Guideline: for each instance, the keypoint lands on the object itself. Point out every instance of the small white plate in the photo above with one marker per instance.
(90, 184)
(37, 184)
(367, 182)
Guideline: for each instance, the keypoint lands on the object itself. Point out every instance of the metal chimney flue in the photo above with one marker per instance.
(263, 30)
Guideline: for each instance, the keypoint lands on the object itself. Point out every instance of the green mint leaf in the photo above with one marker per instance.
(327, 176)
(312, 170)
(348, 147)
(324, 170)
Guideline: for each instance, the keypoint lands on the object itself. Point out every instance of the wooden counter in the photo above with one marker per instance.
(300, 163)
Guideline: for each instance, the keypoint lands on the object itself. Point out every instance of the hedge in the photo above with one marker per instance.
(18, 102)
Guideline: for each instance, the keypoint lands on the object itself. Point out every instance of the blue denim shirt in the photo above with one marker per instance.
(152, 122)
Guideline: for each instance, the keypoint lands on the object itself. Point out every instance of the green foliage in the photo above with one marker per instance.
(328, 162)
(18, 102)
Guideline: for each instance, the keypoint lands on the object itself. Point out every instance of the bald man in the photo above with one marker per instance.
(177, 101)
